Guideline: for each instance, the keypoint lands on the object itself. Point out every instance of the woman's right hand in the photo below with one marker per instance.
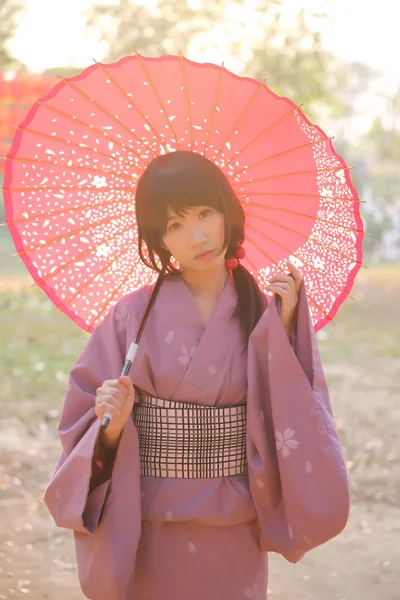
(115, 397)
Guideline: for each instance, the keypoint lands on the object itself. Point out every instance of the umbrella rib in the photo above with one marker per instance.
(92, 101)
(306, 196)
(276, 265)
(101, 204)
(87, 284)
(65, 166)
(279, 175)
(72, 144)
(186, 88)
(160, 102)
(307, 237)
(294, 212)
(87, 207)
(72, 233)
(264, 160)
(240, 116)
(62, 211)
(127, 97)
(301, 260)
(73, 188)
(214, 107)
(259, 135)
(264, 253)
(112, 296)
(78, 258)
(131, 189)
(90, 128)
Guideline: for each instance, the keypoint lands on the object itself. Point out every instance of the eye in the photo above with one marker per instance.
(206, 212)
(174, 226)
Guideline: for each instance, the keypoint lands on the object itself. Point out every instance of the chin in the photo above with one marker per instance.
(207, 265)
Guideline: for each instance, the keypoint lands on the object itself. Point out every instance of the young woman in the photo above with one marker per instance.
(222, 446)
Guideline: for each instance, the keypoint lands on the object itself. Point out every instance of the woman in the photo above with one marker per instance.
(186, 499)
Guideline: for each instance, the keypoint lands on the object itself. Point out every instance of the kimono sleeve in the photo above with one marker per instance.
(297, 472)
(73, 498)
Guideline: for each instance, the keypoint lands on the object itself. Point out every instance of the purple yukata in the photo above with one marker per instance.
(165, 538)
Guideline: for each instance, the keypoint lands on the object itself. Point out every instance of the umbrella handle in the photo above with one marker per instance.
(105, 421)
(128, 363)
(134, 345)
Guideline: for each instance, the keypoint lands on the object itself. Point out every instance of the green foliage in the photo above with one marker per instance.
(9, 10)
(128, 26)
(290, 56)
(381, 143)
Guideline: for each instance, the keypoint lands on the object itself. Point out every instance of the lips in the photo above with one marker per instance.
(204, 254)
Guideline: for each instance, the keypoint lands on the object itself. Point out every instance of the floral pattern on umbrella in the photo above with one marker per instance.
(71, 175)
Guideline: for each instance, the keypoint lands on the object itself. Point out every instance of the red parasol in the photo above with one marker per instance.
(71, 173)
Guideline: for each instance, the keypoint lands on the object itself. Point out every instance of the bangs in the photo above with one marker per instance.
(180, 187)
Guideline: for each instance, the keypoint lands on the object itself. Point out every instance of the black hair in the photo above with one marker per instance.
(185, 179)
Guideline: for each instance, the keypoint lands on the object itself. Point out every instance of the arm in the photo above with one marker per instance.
(80, 483)
(297, 472)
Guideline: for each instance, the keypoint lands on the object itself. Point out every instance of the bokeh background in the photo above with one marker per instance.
(341, 58)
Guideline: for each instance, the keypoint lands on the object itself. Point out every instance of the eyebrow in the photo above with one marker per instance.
(173, 218)
(176, 216)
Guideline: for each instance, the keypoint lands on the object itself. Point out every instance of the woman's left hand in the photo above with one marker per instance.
(288, 288)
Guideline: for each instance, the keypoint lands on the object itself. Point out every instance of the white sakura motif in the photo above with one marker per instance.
(260, 483)
(185, 357)
(308, 467)
(192, 548)
(319, 263)
(103, 250)
(99, 182)
(325, 192)
(253, 592)
(168, 515)
(121, 318)
(341, 175)
(285, 442)
(212, 369)
(169, 337)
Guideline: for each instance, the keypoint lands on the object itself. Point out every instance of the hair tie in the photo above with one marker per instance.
(233, 261)
(240, 252)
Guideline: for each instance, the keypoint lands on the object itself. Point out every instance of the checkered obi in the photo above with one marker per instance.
(187, 441)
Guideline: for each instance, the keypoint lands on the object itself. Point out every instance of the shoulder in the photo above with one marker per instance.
(124, 313)
(135, 301)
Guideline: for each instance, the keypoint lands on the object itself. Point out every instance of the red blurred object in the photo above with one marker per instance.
(16, 91)
(71, 173)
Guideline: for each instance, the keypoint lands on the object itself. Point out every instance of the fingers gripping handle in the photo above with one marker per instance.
(128, 363)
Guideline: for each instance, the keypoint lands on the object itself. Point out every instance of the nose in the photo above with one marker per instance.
(198, 236)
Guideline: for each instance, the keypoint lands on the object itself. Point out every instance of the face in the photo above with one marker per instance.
(196, 238)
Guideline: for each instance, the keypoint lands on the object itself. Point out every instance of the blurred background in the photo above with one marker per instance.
(341, 59)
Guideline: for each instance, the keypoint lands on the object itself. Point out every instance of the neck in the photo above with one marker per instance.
(206, 283)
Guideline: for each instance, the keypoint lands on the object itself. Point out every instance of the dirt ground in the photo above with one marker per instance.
(361, 355)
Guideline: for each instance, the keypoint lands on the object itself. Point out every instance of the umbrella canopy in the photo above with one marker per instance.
(71, 175)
